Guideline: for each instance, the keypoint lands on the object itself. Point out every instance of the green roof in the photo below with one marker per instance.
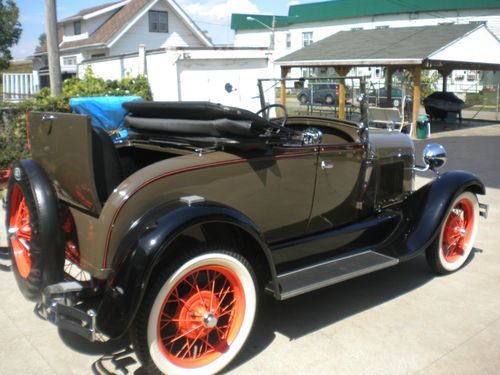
(238, 20)
(341, 9)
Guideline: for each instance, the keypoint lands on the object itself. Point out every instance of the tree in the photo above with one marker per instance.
(42, 41)
(10, 30)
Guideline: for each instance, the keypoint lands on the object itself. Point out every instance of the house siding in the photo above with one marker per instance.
(178, 36)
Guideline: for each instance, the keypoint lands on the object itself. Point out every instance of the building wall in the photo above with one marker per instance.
(178, 34)
(194, 75)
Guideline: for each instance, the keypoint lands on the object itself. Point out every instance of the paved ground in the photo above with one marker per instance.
(397, 321)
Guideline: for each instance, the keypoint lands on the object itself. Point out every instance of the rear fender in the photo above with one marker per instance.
(425, 210)
(146, 244)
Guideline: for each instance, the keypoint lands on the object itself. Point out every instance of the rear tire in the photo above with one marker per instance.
(452, 247)
(35, 238)
(197, 314)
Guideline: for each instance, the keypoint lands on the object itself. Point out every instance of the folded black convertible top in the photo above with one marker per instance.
(199, 119)
(193, 111)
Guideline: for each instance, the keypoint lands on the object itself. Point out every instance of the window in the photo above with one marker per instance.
(77, 27)
(158, 21)
(356, 28)
(307, 38)
(69, 60)
(97, 55)
(288, 40)
(382, 27)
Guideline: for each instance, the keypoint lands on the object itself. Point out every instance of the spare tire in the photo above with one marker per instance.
(34, 229)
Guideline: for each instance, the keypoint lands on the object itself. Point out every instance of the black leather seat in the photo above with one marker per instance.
(107, 167)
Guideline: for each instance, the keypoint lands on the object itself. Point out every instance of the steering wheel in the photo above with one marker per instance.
(266, 109)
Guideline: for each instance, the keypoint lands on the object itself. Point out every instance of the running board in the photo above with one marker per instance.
(332, 272)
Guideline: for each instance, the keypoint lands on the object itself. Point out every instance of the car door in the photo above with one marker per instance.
(336, 199)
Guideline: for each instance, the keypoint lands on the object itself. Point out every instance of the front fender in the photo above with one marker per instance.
(145, 245)
(425, 210)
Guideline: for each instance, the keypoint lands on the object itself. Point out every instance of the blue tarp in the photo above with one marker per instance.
(105, 111)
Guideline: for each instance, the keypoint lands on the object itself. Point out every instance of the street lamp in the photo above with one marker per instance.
(272, 28)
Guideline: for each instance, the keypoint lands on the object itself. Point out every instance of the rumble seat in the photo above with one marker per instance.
(107, 168)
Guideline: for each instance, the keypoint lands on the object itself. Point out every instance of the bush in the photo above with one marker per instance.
(13, 139)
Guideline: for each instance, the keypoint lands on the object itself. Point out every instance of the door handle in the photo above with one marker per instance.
(325, 165)
(47, 117)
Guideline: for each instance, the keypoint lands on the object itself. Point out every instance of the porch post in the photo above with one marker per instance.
(417, 73)
(284, 73)
(342, 71)
(390, 72)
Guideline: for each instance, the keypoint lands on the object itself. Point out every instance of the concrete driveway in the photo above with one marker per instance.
(401, 320)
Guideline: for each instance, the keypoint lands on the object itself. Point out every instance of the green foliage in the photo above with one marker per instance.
(42, 42)
(428, 81)
(13, 140)
(10, 30)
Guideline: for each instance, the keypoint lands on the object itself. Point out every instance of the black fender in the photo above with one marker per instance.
(425, 209)
(146, 244)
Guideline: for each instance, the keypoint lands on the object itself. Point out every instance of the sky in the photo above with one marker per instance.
(211, 15)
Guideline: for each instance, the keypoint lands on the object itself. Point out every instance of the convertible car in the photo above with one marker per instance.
(172, 235)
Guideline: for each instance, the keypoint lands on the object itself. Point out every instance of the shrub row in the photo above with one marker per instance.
(13, 138)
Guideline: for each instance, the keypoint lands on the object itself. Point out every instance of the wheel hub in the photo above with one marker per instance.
(209, 321)
(198, 313)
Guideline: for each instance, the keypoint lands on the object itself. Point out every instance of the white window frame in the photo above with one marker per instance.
(155, 23)
(69, 60)
(307, 38)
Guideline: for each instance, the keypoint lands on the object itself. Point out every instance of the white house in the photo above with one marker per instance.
(118, 28)
(308, 23)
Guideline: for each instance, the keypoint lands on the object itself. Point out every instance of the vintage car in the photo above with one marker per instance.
(171, 236)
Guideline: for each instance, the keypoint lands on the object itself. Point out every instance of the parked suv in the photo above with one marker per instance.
(327, 93)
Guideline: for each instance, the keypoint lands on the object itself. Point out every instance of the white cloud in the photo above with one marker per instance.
(215, 16)
(217, 11)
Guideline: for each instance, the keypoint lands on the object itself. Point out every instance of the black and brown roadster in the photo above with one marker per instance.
(171, 235)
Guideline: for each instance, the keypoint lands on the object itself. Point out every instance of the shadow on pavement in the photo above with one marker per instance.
(311, 312)
(292, 318)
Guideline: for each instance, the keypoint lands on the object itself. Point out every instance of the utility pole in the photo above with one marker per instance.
(53, 47)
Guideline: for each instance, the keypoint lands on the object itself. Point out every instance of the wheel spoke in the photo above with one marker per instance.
(200, 315)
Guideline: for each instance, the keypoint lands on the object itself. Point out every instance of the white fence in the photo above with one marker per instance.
(18, 86)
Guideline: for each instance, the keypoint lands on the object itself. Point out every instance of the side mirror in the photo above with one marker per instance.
(434, 156)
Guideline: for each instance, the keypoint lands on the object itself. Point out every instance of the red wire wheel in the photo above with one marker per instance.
(20, 231)
(458, 232)
(200, 317)
(32, 219)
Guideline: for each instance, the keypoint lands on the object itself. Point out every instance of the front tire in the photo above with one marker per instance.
(197, 315)
(457, 234)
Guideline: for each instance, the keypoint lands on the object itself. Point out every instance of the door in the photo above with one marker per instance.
(336, 199)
